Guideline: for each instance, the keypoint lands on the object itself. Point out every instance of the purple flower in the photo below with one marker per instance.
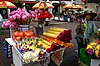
(90, 51)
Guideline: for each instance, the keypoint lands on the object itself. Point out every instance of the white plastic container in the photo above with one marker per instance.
(95, 62)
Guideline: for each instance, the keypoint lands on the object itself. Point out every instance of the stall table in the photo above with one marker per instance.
(18, 59)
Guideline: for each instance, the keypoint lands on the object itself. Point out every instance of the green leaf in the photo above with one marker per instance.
(38, 46)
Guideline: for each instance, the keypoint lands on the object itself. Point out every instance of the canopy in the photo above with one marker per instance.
(72, 6)
(68, 6)
(42, 5)
(6, 4)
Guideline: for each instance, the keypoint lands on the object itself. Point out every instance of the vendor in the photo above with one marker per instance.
(85, 31)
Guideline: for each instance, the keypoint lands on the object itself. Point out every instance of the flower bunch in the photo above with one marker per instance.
(9, 24)
(21, 16)
(44, 14)
(65, 36)
(93, 49)
(40, 15)
(18, 17)
(34, 15)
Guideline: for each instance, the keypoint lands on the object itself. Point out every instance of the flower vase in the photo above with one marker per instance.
(24, 27)
(39, 29)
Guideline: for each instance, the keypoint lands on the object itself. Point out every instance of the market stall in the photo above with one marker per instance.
(36, 49)
(32, 48)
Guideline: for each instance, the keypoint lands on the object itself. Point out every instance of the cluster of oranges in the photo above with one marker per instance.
(20, 34)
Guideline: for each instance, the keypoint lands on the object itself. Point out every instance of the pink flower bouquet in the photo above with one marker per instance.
(18, 17)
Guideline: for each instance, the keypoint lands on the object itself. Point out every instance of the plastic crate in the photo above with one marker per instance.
(84, 58)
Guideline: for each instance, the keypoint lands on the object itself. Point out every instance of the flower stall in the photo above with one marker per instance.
(30, 48)
(91, 54)
(27, 47)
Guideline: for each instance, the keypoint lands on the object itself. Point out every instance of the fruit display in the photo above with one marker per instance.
(59, 33)
(93, 49)
(20, 34)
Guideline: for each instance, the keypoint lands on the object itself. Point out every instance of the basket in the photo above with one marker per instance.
(84, 58)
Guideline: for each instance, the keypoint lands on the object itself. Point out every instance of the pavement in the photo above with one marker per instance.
(67, 54)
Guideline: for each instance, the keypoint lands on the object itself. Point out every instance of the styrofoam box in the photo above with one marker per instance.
(95, 62)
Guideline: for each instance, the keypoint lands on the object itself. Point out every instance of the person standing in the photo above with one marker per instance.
(85, 31)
